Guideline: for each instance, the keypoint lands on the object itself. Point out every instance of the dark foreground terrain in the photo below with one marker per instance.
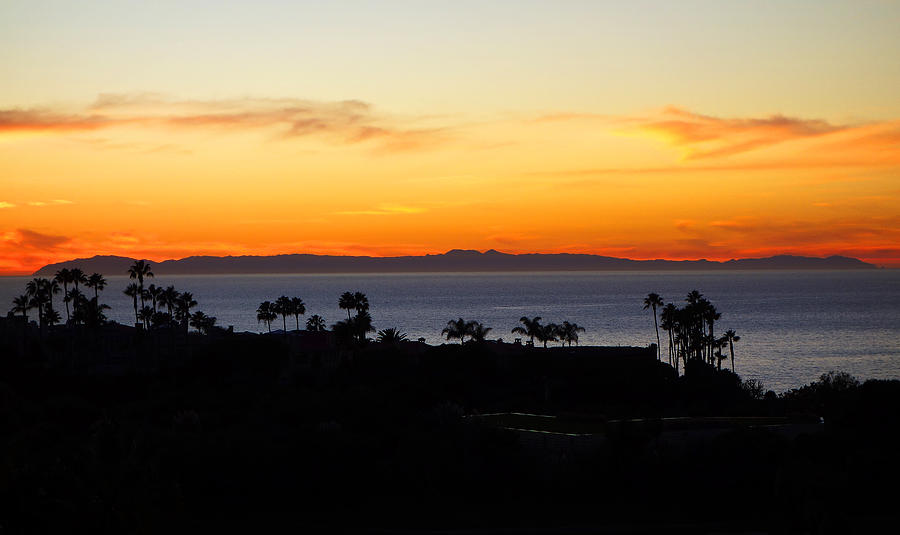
(195, 433)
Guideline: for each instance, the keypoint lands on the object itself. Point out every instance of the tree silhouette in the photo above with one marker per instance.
(77, 299)
(283, 307)
(547, 333)
(169, 299)
(568, 332)
(731, 337)
(132, 291)
(391, 336)
(315, 323)
(64, 277)
(347, 302)
(154, 292)
(458, 329)
(140, 270)
(361, 302)
(298, 308)
(653, 300)
(530, 327)
(22, 304)
(183, 306)
(668, 320)
(266, 313)
(477, 331)
(202, 322)
(97, 282)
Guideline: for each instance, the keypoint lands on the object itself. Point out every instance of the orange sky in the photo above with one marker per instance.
(713, 172)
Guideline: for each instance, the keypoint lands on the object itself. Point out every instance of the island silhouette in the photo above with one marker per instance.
(456, 260)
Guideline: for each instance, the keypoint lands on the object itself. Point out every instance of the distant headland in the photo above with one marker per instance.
(456, 260)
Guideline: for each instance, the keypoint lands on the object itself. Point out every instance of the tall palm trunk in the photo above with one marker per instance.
(66, 299)
(731, 348)
(655, 324)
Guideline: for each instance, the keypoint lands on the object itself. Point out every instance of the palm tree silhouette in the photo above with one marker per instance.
(315, 323)
(169, 298)
(298, 308)
(183, 306)
(139, 270)
(547, 333)
(361, 302)
(477, 331)
(668, 319)
(97, 282)
(154, 292)
(731, 337)
(64, 277)
(530, 327)
(456, 329)
(265, 313)
(77, 299)
(202, 322)
(390, 336)
(22, 304)
(653, 300)
(132, 291)
(568, 332)
(283, 307)
(347, 302)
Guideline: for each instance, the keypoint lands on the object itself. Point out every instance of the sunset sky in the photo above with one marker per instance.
(639, 129)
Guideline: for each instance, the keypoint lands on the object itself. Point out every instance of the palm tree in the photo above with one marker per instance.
(361, 301)
(202, 322)
(169, 298)
(477, 331)
(668, 318)
(266, 313)
(362, 324)
(390, 336)
(653, 300)
(78, 277)
(568, 332)
(283, 307)
(347, 302)
(133, 291)
(298, 307)
(547, 333)
(731, 337)
(139, 270)
(154, 292)
(77, 298)
(38, 296)
(51, 317)
(456, 329)
(64, 277)
(145, 316)
(21, 304)
(530, 327)
(315, 323)
(183, 306)
(97, 282)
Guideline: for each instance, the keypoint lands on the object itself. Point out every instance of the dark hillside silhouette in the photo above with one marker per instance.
(455, 260)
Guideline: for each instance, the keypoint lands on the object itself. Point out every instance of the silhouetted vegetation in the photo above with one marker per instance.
(117, 429)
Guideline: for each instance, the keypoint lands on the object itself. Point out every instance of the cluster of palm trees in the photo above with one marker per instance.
(565, 332)
(84, 310)
(168, 307)
(355, 327)
(691, 330)
(284, 306)
(459, 329)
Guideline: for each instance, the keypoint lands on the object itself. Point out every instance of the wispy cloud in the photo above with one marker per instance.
(345, 122)
(53, 202)
(4, 204)
(385, 209)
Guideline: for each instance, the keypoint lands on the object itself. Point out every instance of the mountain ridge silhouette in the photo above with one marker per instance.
(455, 260)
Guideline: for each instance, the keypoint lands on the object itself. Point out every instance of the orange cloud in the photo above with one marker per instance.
(343, 122)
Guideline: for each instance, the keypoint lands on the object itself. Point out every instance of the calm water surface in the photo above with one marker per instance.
(794, 326)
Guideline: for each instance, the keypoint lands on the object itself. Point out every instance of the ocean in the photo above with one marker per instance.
(794, 325)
